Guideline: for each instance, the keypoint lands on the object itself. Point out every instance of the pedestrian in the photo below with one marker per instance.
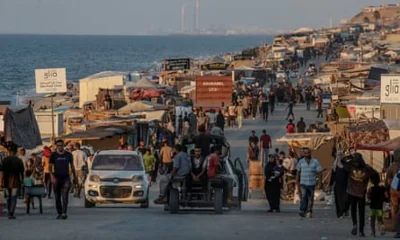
(265, 145)
(13, 175)
(391, 174)
(150, 164)
(253, 138)
(253, 152)
(220, 120)
(46, 170)
(273, 172)
(80, 159)
(290, 108)
(339, 180)
(301, 126)
(264, 108)
(61, 162)
(290, 128)
(254, 106)
(377, 196)
(319, 107)
(28, 183)
(271, 97)
(308, 168)
(239, 113)
(308, 99)
(359, 176)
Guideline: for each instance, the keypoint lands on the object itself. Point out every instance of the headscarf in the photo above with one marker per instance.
(338, 161)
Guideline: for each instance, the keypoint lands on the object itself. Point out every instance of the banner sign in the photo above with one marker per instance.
(214, 66)
(52, 80)
(390, 89)
(176, 64)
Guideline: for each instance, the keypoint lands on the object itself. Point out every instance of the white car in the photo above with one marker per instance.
(117, 176)
(280, 74)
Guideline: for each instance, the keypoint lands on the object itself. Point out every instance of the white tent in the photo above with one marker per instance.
(142, 83)
(304, 30)
(140, 106)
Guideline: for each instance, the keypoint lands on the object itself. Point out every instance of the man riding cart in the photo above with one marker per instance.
(212, 181)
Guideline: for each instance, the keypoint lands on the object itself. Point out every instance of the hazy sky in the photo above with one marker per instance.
(137, 16)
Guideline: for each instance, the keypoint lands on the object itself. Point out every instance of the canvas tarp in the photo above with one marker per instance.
(369, 133)
(140, 106)
(21, 127)
(142, 83)
(313, 140)
(386, 146)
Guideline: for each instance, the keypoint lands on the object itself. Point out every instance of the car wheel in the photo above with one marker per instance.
(218, 200)
(89, 204)
(146, 203)
(166, 207)
(173, 201)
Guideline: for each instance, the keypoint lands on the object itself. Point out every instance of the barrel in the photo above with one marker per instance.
(255, 168)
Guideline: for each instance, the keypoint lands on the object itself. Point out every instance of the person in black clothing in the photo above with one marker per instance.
(13, 175)
(301, 125)
(272, 101)
(359, 176)
(61, 162)
(377, 195)
(290, 108)
(273, 172)
(220, 120)
(253, 138)
(254, 106)
(339, 180)
(265, 110)
(308, 99)
(202, 141)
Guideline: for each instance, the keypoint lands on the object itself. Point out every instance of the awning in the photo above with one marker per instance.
(98, 133)
(342, 112)
(310, 140)
(387, 146)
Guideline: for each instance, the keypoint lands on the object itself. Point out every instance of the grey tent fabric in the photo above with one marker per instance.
(21, 127)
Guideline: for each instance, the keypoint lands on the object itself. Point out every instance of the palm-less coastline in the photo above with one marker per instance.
(82, 56)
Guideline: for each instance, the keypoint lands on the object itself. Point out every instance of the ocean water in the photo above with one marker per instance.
(82, 56)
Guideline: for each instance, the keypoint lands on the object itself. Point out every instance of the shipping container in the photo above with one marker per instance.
(211, 90)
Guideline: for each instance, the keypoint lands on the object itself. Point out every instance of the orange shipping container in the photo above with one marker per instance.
(213, 90)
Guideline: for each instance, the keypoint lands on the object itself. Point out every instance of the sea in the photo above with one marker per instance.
(83, 55)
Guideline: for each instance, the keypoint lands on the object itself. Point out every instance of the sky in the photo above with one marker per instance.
(128, 17)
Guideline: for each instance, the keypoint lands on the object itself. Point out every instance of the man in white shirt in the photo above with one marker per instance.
(24, 158)
(80, 159)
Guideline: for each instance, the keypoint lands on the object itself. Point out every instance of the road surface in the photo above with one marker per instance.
(127, 222)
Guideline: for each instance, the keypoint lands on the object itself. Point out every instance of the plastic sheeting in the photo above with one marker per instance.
(386, 146)
(21, 127)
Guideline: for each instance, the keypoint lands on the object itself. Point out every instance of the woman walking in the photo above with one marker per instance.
(273, 176)
(339, 181)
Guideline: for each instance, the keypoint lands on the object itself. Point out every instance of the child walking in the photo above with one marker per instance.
(149, 164)
(377, 195)
(28, 183)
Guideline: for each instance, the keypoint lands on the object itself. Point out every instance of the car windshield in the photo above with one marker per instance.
(117, 162)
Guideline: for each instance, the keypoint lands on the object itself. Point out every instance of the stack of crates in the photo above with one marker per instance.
(256, 174)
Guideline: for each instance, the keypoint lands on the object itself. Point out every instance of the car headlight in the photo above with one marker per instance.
(94, 178)
(137, 178)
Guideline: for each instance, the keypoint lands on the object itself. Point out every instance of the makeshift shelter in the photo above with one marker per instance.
(321, 145)
(102, 138)
(386, 146)
(140, 106)
(21, 127)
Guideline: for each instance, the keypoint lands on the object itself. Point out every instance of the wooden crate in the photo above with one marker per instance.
(256, 182)
(255, 168)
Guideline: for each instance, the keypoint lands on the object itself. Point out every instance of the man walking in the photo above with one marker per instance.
(60, 163)
(265, 145)
(319, 106)
(301, 126)
(239, 113)
(308, 169)
(264, 108)
(80, 163)
(13, 175)
(290, 108)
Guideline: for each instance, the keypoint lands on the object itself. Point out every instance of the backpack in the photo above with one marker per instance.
(396, 182)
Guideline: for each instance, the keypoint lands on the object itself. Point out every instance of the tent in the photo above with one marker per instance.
(21, 127)
(387, 146)
(140, 106)
(142, 83)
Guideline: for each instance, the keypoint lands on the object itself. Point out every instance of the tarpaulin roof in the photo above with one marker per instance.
(342, 112)
(310, 140)
(142, 83)
(140, 106)
(99, 133)
(387, 146)
(368, 127)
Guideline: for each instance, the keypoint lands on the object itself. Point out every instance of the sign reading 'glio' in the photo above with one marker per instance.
(390, 89)
(213, 89)
(52, 80)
